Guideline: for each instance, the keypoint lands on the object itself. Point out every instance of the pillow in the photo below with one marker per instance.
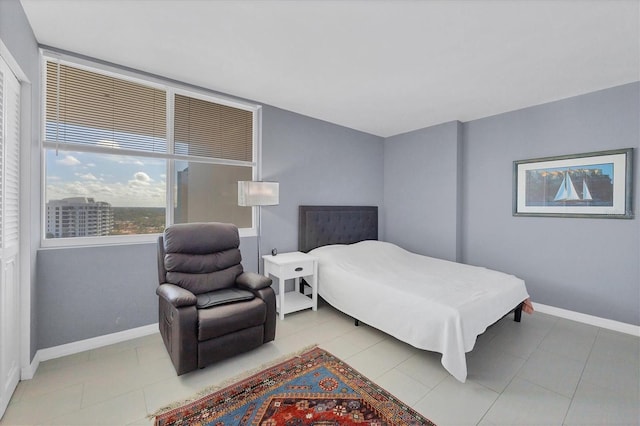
(220, 297)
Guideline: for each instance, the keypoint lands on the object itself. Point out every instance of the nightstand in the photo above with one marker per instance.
(293, 265)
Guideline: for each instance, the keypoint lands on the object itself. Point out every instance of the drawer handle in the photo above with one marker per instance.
(299, 268)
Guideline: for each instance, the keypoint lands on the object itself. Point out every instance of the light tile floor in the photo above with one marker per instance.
(542, 371)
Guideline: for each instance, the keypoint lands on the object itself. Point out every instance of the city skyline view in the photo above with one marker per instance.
(606, 169)
(87, 217)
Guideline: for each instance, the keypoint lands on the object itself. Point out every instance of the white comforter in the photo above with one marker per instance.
(430, 303)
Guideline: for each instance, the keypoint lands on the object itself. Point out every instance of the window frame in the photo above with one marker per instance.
(171, 88)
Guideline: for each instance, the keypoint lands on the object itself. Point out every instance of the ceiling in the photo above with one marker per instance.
(380, 66)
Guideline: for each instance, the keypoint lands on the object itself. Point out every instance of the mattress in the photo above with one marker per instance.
(429, 303)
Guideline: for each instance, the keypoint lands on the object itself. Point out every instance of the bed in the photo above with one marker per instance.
(430, 303)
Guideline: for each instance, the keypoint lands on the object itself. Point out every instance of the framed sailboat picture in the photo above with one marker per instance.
(595, 184)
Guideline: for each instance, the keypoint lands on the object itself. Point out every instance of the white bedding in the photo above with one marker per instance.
(430, 303)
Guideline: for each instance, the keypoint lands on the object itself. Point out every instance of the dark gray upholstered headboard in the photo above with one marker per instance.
(322, 225)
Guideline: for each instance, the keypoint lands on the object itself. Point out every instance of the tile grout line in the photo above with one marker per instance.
(516, 375)
(564, 419)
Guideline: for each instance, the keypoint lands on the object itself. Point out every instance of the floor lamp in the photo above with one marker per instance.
(258, 194)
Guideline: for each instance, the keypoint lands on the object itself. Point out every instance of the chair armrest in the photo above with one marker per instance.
(252, 281)
(175, 295)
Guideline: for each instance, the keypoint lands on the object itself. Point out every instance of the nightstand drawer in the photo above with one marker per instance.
(297, 269)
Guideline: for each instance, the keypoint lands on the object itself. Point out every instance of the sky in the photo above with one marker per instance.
(122, 181)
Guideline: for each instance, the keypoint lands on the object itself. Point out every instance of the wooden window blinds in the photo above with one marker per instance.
(86, 107)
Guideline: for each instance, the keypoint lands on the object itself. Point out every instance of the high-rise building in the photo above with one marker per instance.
(78, 217)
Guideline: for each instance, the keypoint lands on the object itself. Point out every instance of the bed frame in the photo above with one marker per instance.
(323, 225)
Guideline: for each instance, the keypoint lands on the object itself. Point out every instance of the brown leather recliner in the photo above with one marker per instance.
(209, 308)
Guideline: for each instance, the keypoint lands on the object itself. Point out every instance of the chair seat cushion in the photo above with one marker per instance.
(224, 319)
(221, 297)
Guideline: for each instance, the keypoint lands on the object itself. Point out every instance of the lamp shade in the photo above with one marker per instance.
(251, 193)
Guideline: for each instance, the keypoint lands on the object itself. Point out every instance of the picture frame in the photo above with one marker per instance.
(588, 185)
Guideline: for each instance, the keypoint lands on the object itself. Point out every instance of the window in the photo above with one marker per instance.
(125, 156)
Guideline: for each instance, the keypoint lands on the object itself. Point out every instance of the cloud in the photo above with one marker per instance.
(120, 194)
(68, 160)
(141, 178)
(87, 176)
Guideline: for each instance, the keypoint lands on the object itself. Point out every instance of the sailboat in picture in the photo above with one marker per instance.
(586, 194)
(567, 191)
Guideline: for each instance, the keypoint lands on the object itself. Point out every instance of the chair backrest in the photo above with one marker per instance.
(200, 257)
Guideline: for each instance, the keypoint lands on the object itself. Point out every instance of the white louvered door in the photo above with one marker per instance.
(9, 233)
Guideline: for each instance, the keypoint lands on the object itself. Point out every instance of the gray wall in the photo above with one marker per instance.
(421, 190)
(583, 265)
(16, 34)
(316, 162)
(86, 292)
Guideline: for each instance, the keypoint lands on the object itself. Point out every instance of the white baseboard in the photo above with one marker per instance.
(88, 344)
(29, 371)
(608, 324)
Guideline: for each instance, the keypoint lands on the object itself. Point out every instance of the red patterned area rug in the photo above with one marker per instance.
(314, 388)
